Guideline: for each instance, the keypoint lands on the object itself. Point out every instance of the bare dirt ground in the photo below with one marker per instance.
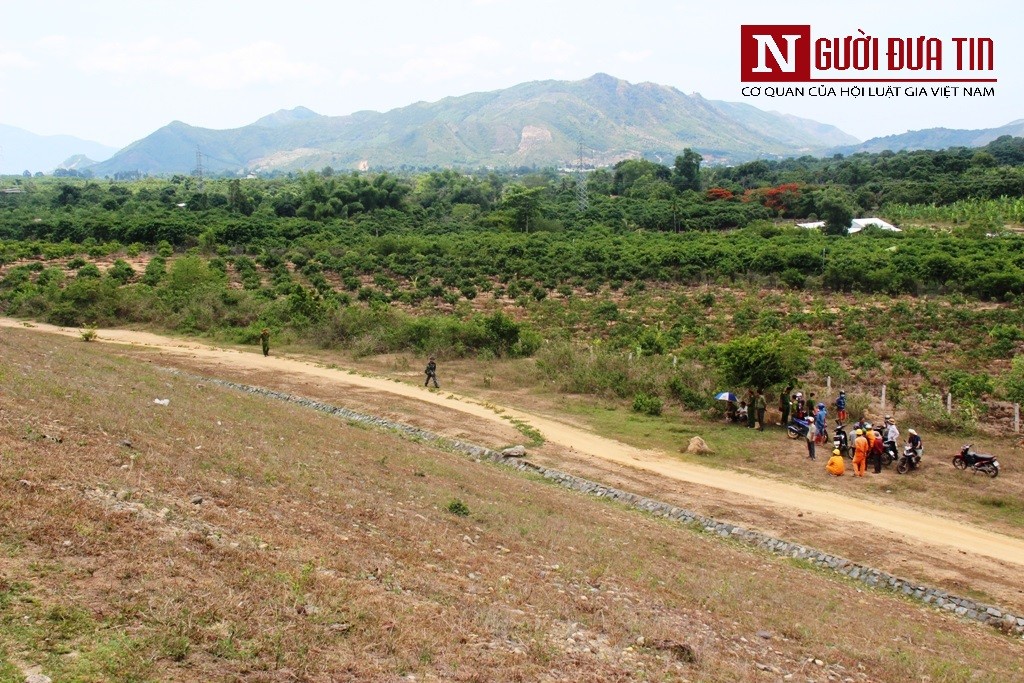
(911, 542)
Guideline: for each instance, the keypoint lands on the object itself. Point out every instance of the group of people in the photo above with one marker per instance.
(868, 442)
(750, 410)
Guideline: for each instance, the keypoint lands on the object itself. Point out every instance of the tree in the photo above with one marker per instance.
(763, 361)
(837, 213)
(524, 205)
(686, 172)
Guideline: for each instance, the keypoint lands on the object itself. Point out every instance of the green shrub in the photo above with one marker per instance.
(458, 508)
(121, 271)
(647, 404)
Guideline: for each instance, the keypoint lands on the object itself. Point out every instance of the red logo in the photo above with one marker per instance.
(772, 53)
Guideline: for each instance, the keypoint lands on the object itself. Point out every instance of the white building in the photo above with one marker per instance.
(856, 225)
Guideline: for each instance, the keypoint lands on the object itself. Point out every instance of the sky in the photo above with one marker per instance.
(113, 71)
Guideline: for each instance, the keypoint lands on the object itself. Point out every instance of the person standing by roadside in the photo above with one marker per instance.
(265, 341)
(877, 448)
(819, 422)
(841, 407)
(431, 373)
(860, 454)
(760, 405)
(784, 404)
(751, 409)
(892, 433)
(812, 434)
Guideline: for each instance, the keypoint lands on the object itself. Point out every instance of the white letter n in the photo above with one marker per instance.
(787, 63)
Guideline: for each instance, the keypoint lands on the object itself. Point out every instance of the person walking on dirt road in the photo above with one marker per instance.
(431, 373)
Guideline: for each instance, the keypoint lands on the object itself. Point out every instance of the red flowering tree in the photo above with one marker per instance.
(718, 193)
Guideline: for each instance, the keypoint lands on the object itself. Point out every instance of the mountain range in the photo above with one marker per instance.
(21, 150)
(540, 123)
(936, 138)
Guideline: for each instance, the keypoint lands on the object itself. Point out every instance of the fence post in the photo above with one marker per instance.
(630, 356)
(883, 398)
(1016, 418)
(949, 402)
(674, 360)
(828, 383)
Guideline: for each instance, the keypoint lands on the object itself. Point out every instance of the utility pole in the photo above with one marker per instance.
(199, 169)
(582, 201)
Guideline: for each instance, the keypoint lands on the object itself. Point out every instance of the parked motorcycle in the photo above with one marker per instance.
(797, 428)
(889, 453)
(976, 462)
(841, 441)
(910, 460)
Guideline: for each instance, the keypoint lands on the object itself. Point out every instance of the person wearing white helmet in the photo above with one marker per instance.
(914, 441)
(891, 432)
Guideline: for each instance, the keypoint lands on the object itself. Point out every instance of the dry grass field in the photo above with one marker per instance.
(228, 537)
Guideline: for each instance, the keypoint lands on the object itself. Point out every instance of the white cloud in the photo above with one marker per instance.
(554, 51)
(53, 42)
(257, 63)
(351, 76)
(632, 57)
(14, 60)
(444, 62)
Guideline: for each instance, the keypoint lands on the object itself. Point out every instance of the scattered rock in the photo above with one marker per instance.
(681, 651)
(38, 678)
(25, 483)
(124, 494)
(699, 446)
(764, 634)
(514, 452)
(162, 401)
(197, 500)
(126, 443)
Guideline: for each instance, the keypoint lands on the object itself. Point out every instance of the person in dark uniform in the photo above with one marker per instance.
(265, 341)
(760, 405)
(784, 404)
(431, 373)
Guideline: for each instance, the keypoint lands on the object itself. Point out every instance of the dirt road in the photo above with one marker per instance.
(921, 527)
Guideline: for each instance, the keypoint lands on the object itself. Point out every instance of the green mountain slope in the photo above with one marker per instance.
(536, 123)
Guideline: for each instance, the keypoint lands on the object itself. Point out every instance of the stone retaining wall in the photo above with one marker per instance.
(874, 578)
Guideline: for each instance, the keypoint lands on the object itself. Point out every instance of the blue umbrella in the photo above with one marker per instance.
(726, 396)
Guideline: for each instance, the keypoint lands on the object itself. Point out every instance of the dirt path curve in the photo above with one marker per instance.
(923, 527)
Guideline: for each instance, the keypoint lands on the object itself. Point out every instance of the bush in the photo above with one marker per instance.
(928, 410)
(458, 508)
(647, 404)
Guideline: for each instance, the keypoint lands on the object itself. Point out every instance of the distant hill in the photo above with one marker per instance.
(935, 138)
(537, 123)
(21, 150)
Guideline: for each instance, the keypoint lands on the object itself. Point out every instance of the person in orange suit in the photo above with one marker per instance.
(835, 465)
(860, 454)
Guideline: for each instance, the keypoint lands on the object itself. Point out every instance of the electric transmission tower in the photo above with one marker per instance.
(199, 169)
(581, 182)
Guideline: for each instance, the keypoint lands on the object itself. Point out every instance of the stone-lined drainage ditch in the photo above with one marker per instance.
(874, 578)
